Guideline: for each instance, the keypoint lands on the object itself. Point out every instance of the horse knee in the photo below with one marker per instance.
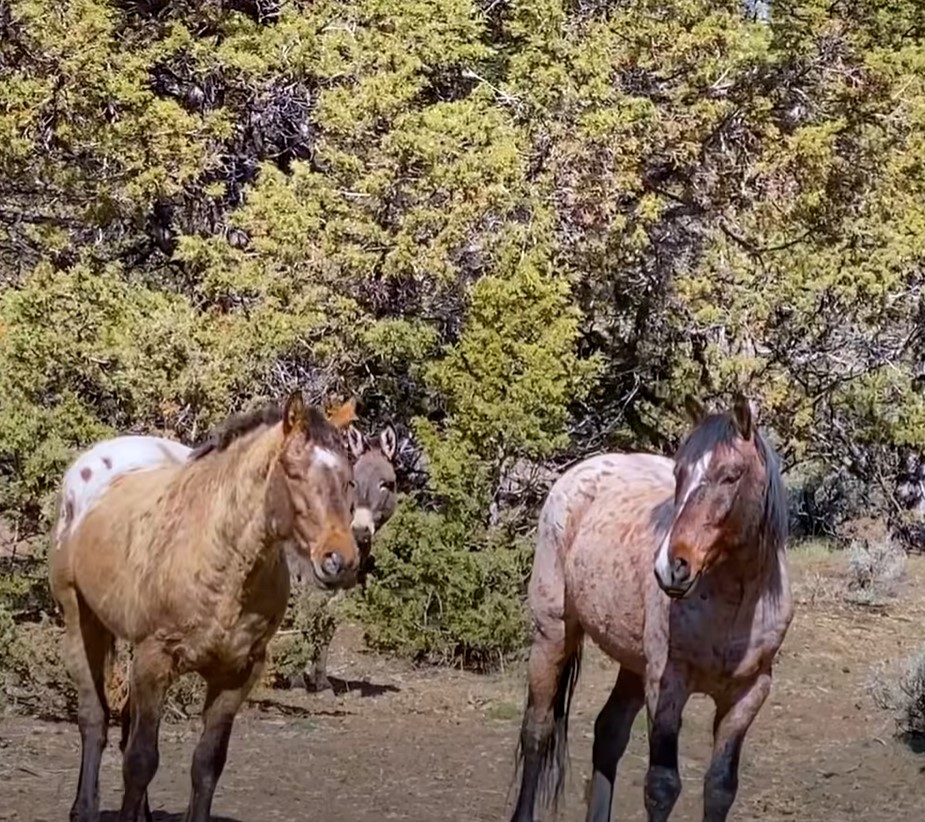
(140, 762)
(663, 787)
(91, 715)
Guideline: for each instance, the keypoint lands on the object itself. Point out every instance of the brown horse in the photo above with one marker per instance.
(676, 570)
(185, 560)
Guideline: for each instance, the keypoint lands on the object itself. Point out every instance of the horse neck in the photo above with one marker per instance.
(238, 493)
(756, 564)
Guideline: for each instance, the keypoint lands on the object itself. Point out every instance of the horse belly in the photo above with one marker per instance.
(607, 597)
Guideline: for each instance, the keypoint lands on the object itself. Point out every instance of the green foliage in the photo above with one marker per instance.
(442, 592)
(519, 230)
(306, 632)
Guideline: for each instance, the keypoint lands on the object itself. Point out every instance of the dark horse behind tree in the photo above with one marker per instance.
(677, 570)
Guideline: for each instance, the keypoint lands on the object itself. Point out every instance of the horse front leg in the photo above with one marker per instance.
(666, 696)
(734, 717)
(224, 698)
(612, 730)
(152, 673)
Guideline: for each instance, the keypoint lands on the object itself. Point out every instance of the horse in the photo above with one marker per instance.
(185, 560)
(677, 570)
(92, 472)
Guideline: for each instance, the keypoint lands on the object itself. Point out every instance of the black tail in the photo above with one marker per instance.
(553, 747)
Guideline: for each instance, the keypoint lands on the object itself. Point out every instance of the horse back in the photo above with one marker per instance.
(562, 528)
(123, 555)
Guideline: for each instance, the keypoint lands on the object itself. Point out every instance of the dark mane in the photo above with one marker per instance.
(235, 427)
(719, 429)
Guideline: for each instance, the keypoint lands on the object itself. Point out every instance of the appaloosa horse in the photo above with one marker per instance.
(677, 570)
(185, 561)
(93, 471)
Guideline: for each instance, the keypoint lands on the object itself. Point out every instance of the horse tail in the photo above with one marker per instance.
(63, 516)
(555, 757)
(553, 745)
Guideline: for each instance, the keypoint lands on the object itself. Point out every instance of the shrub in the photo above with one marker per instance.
(309, 626)
(876, 562)
(904, 696)
(444, 593)
(33, 676)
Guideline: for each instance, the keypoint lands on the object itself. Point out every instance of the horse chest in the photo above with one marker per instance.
(727, 643)
(247, 637)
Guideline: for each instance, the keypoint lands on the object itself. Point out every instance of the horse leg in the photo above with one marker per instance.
(666, 697)
(733, 719)
(612, 730)
(555, 657)
(224, 698)
(318, 676)
(123, 742)
(87, 644)
(152, 673)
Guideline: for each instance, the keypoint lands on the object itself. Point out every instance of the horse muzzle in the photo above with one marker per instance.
(676, 581)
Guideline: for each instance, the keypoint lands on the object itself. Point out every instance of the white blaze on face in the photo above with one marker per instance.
(698, 476)
(327, 458)
(363, 520)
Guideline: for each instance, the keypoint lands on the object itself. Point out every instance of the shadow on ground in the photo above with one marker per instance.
(161, 816)
(271, 706)
(364, 687)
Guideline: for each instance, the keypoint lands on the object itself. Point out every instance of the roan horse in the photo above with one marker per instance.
(676, 570)
(185, 561)
(94, 470)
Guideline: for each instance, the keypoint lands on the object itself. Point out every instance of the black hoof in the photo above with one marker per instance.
(317, 684)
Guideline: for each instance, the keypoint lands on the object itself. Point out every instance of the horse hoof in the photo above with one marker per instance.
(83, 815)
(317, 684)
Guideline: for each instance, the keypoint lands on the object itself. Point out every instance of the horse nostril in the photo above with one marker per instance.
(680, 570)
(333, 564)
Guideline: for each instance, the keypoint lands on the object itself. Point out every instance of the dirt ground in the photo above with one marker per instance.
(405, 744)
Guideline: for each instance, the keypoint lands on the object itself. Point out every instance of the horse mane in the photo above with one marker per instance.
(720, 429)
(235, 427)
(241, 424)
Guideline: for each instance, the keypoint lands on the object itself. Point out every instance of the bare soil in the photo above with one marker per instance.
(405, 744)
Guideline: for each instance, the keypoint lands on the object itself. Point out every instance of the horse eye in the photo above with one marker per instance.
(387, 486)
(729, 479)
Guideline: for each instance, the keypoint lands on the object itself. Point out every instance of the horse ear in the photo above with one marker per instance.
(356, 442)
(294, 414)
(388, 442)
(341, 416)
(745, 414)
(695, 409)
